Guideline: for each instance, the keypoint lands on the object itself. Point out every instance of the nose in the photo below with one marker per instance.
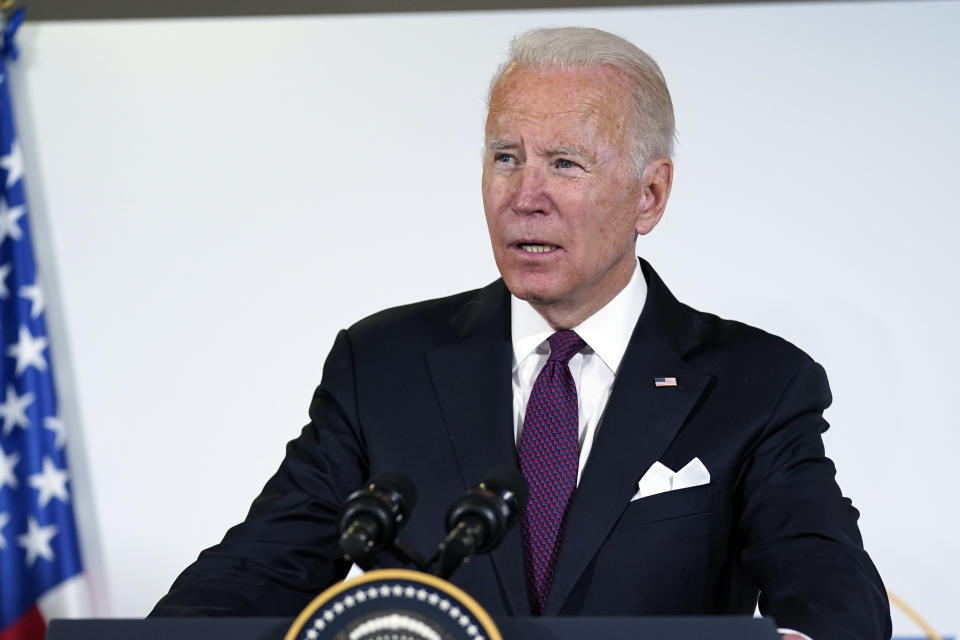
(530, 196)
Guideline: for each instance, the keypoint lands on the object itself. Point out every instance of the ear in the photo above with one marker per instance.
(655, 190)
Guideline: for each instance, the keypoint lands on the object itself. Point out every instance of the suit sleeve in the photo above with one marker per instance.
(285, 552)
(801, 541)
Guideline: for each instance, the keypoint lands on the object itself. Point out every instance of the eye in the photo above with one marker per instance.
(563, 163)
(504, 158)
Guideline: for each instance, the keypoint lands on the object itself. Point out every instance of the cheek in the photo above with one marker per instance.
(488, 193)
(495, 203)
(615, 208)
(484, 185)
(589, 212)
(498, 196)
(604, 228)
(491, 184)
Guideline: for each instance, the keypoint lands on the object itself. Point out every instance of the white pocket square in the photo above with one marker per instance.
(660, 478)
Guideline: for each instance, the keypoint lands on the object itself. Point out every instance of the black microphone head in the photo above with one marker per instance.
(372, 515)
(398, 483)
(491, 508)
(510, 484)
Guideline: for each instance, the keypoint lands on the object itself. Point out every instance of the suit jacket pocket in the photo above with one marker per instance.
(669, 505)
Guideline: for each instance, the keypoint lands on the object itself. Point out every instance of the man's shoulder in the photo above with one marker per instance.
(699, 335)
(745, 346)
(433, 319)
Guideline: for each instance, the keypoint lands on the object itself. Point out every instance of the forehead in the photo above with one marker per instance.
(596, 95)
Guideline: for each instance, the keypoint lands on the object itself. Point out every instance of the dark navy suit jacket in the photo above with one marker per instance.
(426, 390)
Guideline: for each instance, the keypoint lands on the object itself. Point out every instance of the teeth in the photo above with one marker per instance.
(537, 248)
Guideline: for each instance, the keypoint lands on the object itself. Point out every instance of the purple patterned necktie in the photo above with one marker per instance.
(548, 459)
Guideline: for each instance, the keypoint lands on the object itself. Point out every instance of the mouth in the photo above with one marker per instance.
(536, 247)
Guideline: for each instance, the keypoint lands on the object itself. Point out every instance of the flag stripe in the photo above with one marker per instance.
(68, 599)
(28, 627)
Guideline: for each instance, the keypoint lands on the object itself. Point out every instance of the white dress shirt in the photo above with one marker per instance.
(606, 333)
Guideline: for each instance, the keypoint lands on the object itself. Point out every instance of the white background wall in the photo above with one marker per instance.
(215, 198)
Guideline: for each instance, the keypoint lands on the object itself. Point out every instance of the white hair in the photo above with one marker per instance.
(578, 47)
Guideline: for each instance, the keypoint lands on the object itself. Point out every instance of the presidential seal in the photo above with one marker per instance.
(394, 604)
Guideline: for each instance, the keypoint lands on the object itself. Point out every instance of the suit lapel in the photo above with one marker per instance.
(471, 376)
(638, 425)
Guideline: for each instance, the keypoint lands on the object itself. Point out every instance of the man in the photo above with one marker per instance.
(675, 459)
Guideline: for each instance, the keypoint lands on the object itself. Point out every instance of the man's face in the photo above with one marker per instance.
(562, 200)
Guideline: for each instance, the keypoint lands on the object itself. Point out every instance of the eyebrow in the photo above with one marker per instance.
(499, 144)
(568, 151)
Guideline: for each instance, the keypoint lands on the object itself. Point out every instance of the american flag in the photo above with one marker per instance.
(40, 569)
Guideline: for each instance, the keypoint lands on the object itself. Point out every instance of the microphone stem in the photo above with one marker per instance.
(461, 543)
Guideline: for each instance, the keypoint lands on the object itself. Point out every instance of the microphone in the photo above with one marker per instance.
(481, 517)
(372, 515)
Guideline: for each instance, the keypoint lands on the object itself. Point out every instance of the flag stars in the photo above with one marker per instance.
(31, 292)
(55, 424)
(51, 482)
(4, 519)
(9, 221)
(4, 272)
(7, 463)
(38, 545)
(12, 163)
(28, 351)
(36, 541)
(13, 410)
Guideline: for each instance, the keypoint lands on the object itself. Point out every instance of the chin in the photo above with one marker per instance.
(533, 292)
(536, 283)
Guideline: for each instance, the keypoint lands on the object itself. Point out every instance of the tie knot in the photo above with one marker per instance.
(564, 345)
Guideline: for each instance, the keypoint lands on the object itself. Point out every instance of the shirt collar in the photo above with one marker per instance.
(607, 331)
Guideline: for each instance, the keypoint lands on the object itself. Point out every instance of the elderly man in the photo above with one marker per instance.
(674, 458)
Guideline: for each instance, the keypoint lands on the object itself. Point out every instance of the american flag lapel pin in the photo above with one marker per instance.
(664, 382)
